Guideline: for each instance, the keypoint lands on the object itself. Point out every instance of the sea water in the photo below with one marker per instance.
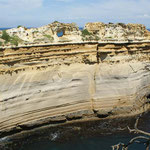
(93, 143)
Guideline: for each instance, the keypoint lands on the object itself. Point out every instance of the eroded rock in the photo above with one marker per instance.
(60, 84)
(117, 32)
(57, 32)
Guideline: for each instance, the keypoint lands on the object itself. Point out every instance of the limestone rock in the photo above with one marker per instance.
(47, 33)
(117, 32)
(79, 114)
(57, 32)
(61, 83)
(103, 113)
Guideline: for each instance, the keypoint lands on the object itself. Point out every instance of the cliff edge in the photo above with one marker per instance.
(57, 32)
(61, 83)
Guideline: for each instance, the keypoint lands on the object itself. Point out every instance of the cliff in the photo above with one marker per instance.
(118, 32)
(57, 32)
(61, 83)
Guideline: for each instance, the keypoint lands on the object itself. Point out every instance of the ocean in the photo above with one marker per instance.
(10, 28)
(94, 143)
(91, 142)
(4, 28)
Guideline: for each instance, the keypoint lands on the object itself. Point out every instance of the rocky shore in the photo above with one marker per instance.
(67, 82)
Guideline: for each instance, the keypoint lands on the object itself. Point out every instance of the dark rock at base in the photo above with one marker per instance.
(121, 110)
(103, 113)
(46, 121)
(79, 114)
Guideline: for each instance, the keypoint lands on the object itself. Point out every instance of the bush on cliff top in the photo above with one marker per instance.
(85, 32)
(14, 40)
(5, 36)
(19, 26)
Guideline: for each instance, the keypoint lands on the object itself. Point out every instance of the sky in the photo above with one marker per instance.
(36, 13)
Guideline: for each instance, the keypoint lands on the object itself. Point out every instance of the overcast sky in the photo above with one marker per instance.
(35, 13)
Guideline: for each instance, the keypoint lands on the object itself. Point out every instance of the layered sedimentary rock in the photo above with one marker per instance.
(61, 83)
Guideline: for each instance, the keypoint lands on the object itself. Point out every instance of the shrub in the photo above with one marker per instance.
(56, 21)
(1, 43)
(85, 32)
(5, 36)
(15, 40)
(19, 26)
(22, 27)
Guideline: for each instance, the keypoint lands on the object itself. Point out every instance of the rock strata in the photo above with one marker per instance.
(61, 83)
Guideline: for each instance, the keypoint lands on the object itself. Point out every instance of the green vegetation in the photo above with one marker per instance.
(19, 26)
(1, 43)
(49, 37)
(87, 36)
(35, 31)
(109, 37)
(14, 40)
(22, 27)
(56, 21)
(85, 32)
(5, 36)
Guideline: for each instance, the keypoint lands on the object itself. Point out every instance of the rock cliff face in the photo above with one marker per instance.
(45, 34)
(57, 32)
(65, 82)
(118, 32)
